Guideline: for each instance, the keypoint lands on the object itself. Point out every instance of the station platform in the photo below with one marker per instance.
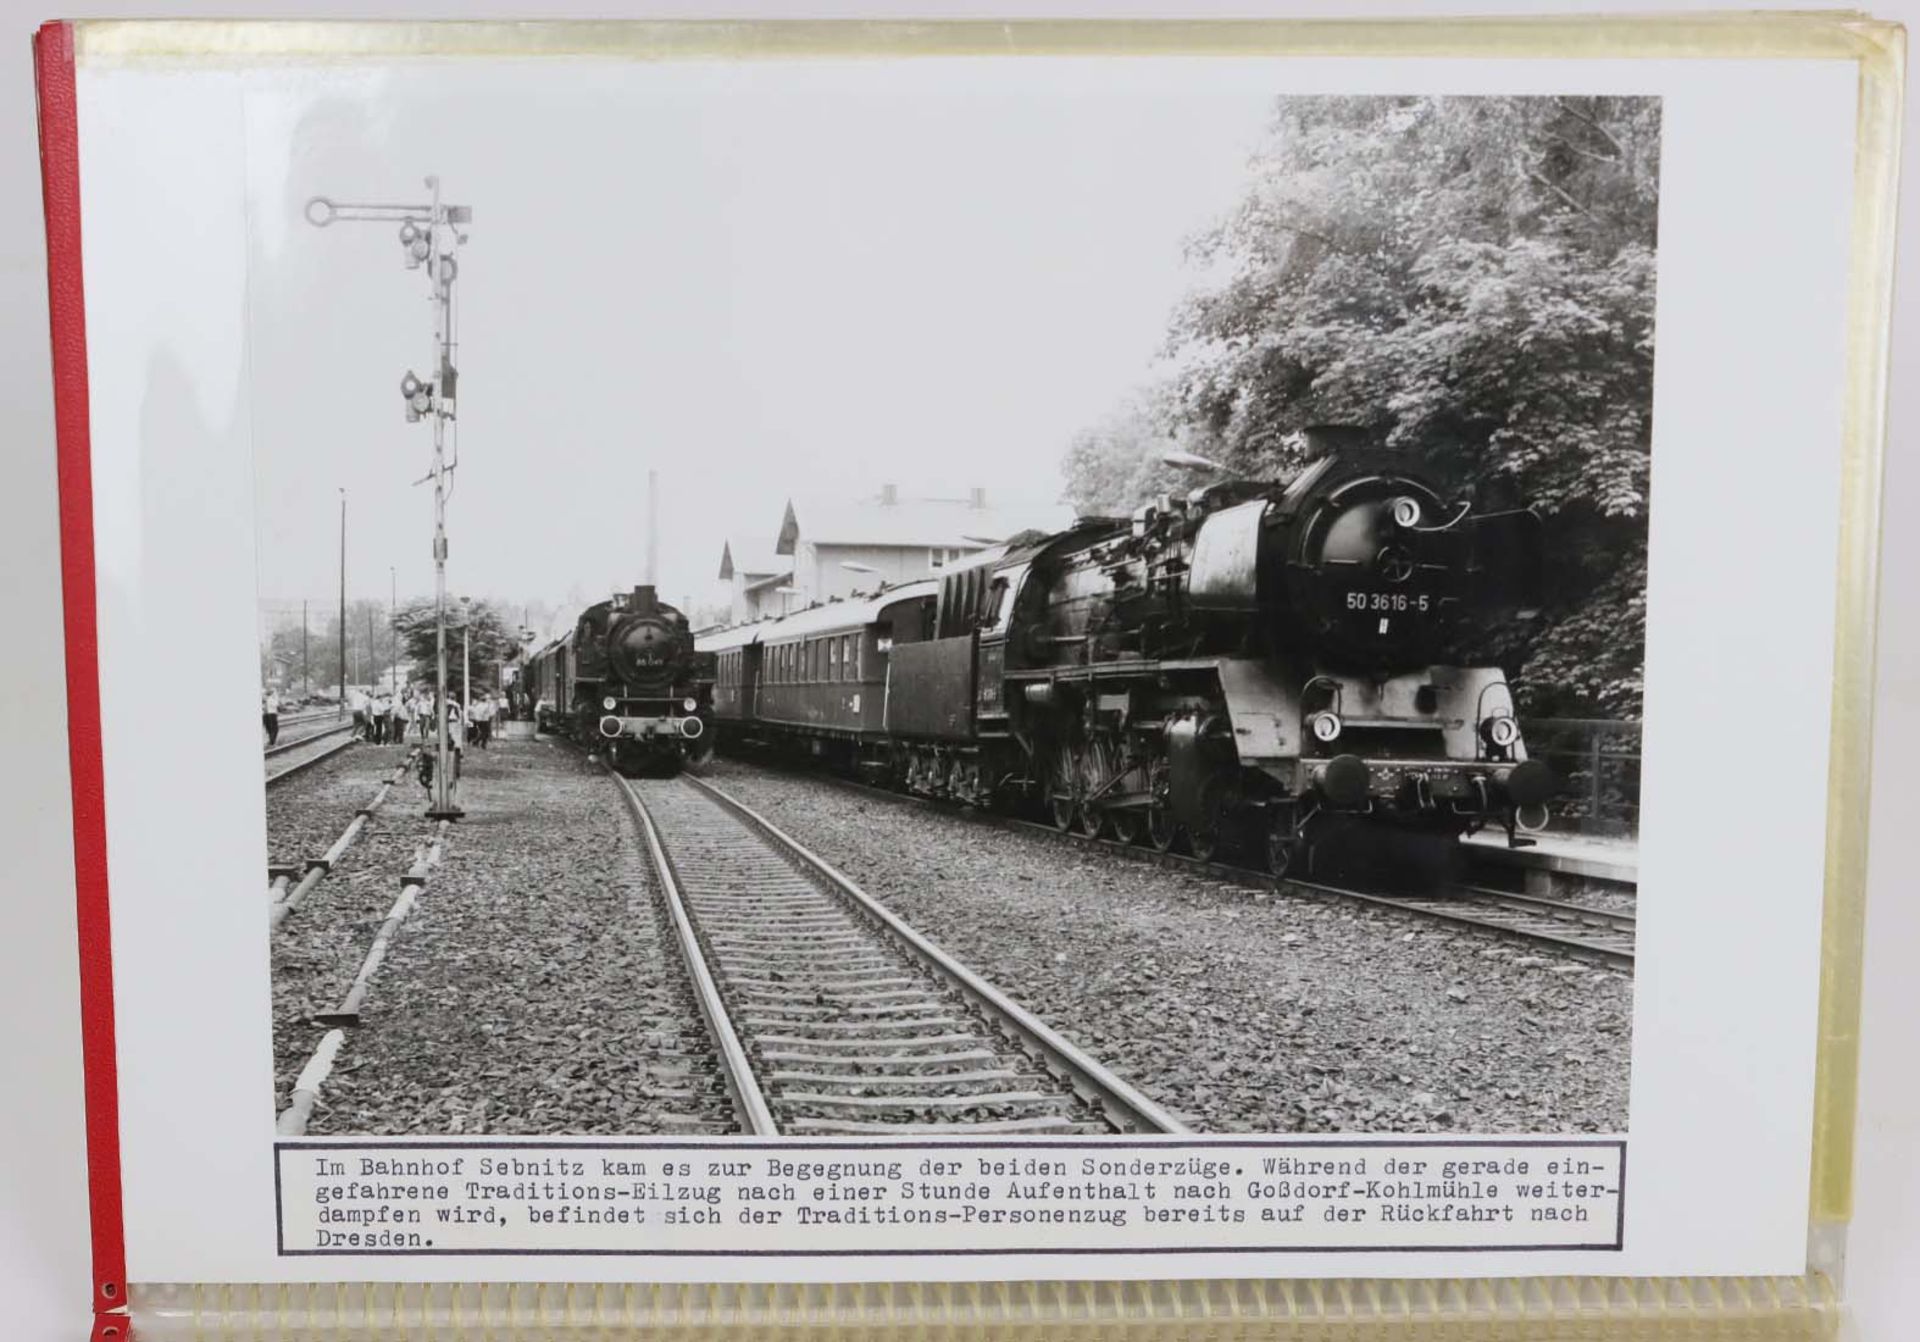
(1580, 856)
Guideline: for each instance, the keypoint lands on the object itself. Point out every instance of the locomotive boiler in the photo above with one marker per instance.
(1257, 664)
(628, 680)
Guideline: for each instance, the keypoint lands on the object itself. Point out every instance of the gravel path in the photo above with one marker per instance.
(534, 988)
(1239, 1009)
(307, 812)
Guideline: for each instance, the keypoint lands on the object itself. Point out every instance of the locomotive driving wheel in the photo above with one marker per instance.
(1284, 849)
(1063, 787)
(1288, 850)
(1095, 761)
(1204, 834)
(1162, 829)
(1124, 822)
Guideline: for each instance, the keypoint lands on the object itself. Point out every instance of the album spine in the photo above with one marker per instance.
(66, 304)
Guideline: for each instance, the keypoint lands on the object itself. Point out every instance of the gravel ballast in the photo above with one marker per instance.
(533, 988)
(1239, 1009)
(307, 812)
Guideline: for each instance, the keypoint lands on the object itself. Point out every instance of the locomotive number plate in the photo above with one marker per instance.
(1387, 601)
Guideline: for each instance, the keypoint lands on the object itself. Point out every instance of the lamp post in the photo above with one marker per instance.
(429, 233)
(343, 601)
(393, 635)
(466, 659)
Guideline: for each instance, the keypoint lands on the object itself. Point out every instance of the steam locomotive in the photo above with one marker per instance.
(1252, 664)
(627, 679)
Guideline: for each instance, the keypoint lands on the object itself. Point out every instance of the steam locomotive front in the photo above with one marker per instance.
(1362, 572)
(650, 699)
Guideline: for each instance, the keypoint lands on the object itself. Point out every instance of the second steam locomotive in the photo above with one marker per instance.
(627, 680)
(1252, 664)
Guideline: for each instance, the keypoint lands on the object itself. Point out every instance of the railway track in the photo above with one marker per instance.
(1575, 931)
(288, 886)
(310, 750)
(831, 1015)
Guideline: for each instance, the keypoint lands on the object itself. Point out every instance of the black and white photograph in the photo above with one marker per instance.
(903, 610)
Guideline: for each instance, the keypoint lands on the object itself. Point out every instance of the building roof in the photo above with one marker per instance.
(747, 559)
(948, 523)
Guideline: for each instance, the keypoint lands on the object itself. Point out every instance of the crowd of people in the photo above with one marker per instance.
(384, 717)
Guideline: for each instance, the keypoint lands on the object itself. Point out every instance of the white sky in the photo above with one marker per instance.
(759, 279)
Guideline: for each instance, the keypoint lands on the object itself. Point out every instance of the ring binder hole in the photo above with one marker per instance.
(109, 1289)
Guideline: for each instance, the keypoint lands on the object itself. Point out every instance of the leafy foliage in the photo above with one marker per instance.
(1472, 279)
(491, 639)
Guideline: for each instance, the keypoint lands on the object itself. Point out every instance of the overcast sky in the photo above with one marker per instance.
(759, 279)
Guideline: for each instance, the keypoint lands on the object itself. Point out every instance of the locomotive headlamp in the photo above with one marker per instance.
(609, 703)
(1325, 726)
(689, 704)
(1406, 512)
(1501, 731)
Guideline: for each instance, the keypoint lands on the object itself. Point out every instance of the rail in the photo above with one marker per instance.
(839, 1016)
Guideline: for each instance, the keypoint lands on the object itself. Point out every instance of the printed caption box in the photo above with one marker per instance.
(451, 1198)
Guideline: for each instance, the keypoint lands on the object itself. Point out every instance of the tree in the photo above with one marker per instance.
(1472, 279)
(371, 646)
(492, 638)
(1115, 466)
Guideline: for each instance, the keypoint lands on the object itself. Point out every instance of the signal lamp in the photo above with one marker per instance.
(689, 705)
(1501, 731)
(609, 703)
(1325, 726)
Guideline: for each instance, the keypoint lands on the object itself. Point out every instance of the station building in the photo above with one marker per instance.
(832, 548)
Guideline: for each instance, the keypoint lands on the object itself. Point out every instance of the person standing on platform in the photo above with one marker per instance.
(357, 702)
(483, 720)
(423, 714)
(270, 714)
(399, 719)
